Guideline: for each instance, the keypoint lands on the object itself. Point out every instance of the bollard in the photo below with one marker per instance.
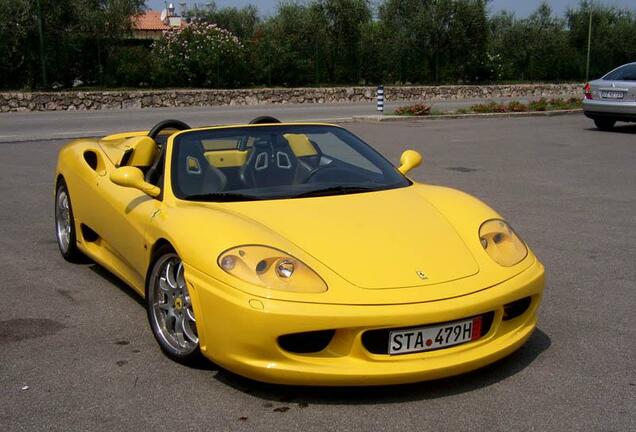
(380, 99)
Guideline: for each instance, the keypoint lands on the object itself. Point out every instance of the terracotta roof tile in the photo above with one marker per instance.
(149, 20)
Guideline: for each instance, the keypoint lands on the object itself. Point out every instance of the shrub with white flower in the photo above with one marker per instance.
(201, 54)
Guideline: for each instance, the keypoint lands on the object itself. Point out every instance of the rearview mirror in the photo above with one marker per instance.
(410, 159)
(132, 177)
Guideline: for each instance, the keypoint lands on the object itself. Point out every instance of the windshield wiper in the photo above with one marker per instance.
(335, 190)
(221, 197)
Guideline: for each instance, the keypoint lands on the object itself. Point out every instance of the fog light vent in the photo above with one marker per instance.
(516, 308)
(307, 342)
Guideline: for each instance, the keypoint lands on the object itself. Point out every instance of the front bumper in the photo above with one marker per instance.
(622, 111)
(240, 332)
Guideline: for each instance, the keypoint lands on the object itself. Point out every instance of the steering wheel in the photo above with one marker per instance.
(335, 171)
(313, 172)
(167, 124)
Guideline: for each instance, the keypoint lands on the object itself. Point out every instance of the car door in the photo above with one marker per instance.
(124, 216)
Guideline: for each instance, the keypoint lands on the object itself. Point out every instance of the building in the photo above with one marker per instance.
(151, 23)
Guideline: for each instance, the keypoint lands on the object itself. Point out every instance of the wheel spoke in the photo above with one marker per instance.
(171, 321)
(189, 332)
(179, 330)
(163, 286)
(170, 275)
(180, 278)
(190, 315)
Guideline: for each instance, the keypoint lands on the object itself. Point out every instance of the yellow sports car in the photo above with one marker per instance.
(295, 253)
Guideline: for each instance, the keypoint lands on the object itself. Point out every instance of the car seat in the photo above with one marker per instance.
(195, 175)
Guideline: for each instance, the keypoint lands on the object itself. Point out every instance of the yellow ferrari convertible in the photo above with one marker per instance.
(296, 253)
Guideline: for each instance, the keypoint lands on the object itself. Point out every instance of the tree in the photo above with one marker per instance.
(435, 40)
(613, 37)
(242, 22)
(535, 48)
(343, 22)
(15, 26)
(73, 32)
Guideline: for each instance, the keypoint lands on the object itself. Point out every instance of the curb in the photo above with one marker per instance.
(392, 118)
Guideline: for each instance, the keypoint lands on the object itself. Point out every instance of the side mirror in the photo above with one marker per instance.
(132, 177)
(410, 159)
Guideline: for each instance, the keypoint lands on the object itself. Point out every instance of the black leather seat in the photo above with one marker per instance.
(271, 162)
(195, 175)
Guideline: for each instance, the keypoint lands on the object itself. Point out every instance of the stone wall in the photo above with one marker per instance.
(97, 100)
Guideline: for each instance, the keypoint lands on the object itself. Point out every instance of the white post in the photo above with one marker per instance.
(380, 100)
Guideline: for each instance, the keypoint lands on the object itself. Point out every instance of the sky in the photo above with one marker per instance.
(521, 8)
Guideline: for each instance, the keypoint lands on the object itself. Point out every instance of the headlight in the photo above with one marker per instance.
(270, 268)
(502, 243)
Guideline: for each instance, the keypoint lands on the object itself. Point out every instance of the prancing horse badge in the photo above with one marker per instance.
(421, 274)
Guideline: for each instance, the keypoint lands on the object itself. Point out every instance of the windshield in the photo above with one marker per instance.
(274, 162)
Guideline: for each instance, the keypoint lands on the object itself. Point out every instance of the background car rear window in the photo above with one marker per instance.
(624, 73)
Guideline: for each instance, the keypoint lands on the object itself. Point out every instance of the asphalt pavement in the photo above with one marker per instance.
(76, 352)
(47, 125)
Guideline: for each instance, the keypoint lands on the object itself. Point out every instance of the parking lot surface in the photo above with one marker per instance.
(76, 353)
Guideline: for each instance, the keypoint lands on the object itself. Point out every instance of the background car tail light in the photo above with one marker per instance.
(588, 91)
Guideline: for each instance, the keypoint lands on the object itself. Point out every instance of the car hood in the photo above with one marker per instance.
(375, 240)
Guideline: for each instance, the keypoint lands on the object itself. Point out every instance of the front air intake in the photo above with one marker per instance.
(516, 308)
(306, 342)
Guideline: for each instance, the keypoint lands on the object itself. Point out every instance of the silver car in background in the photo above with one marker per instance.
(612, 98)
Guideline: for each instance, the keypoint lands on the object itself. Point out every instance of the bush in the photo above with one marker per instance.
(490, 107)
(200, 54)
(420, 109)
(516, 106)
(542, 104)
(565, 104)
(538, 105)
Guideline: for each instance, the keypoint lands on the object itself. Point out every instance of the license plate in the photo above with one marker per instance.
(434, 337)
(612, 95)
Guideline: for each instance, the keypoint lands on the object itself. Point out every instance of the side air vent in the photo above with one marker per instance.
(91, 159)
(88, 234)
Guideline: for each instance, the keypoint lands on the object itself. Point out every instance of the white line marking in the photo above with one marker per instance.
(8, 136)
(80, 132)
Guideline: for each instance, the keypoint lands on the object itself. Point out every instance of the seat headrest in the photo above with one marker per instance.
(144, 152)
(300, 145)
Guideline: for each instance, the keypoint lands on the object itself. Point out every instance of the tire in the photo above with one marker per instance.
(169, 308)
(605, 124)
(65, 225)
